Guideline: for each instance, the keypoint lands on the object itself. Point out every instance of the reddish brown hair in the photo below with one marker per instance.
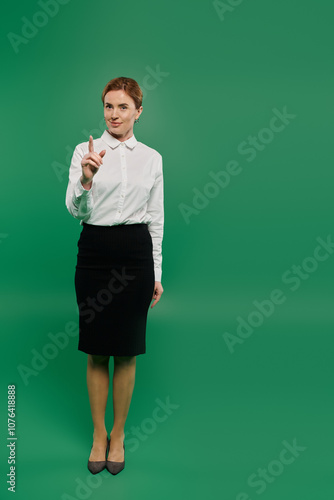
(129, 86)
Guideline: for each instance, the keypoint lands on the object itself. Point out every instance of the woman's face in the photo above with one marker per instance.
(120, 114)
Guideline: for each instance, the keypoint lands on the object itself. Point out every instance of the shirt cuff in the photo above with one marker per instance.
(79, 190)
(157, 275)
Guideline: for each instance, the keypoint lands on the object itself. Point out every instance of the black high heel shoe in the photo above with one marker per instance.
(115, 467)
(98, 466)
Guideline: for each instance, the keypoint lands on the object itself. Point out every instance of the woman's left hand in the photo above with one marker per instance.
(158, 291)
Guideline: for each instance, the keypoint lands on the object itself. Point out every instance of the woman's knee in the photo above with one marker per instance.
(94, 359)
(125, 359)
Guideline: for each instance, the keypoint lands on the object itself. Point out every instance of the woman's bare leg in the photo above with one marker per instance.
(98, 386)
(123, 384)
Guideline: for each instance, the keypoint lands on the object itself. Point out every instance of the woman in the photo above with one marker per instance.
(117, 194)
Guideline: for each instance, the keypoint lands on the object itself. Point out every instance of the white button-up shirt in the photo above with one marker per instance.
(127, 189)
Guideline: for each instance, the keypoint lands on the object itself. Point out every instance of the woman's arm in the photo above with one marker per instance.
(155, 207)
(79, 197)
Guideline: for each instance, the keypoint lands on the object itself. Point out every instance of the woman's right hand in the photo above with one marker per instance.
(91, 162)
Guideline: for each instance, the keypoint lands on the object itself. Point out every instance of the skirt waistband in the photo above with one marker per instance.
(96, 226)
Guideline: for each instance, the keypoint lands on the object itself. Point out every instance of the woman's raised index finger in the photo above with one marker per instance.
(91, 144)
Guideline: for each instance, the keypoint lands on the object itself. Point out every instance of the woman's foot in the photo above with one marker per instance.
(98, 451)
(116, 450)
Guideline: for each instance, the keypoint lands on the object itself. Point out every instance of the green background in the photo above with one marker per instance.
(234, 412)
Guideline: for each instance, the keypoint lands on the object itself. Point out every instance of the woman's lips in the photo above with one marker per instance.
(115, 124)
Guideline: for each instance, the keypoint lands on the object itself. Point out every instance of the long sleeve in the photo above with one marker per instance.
(79, 201)
(155, 208)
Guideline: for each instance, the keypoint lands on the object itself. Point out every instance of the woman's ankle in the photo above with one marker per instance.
(100, 434)
(117, 434)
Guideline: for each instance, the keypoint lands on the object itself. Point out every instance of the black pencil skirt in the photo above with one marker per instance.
(114, 284)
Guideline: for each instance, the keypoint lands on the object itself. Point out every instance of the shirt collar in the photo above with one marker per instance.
(113, 142)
